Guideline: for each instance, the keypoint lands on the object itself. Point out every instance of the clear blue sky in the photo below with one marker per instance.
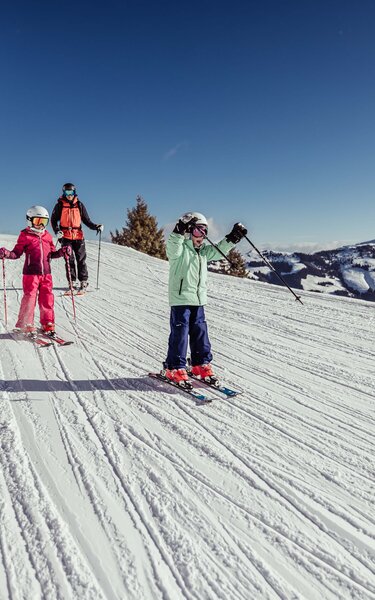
(262, 112)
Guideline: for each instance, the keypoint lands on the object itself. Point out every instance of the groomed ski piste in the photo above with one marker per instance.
(113, 486)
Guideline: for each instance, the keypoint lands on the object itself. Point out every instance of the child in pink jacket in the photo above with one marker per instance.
(38, 246)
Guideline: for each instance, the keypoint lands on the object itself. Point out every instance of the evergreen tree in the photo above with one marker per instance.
(141, 232)
(237, 265)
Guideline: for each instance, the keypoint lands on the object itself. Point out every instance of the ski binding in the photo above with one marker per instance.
(201, 398)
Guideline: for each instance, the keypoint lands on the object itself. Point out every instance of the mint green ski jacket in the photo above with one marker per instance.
(188, 269)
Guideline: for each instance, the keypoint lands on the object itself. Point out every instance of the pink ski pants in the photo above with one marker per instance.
(36, 286)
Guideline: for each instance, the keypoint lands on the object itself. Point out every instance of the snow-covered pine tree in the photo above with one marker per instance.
(141, 232)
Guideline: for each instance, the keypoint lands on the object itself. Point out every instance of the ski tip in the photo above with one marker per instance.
(204, 401)
(60, 342)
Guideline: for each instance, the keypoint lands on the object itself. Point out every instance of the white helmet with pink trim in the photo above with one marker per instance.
(37, 216)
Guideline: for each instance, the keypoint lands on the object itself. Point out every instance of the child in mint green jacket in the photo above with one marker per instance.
(188, 257)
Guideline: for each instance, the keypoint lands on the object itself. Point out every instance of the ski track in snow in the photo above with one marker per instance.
(114, 486)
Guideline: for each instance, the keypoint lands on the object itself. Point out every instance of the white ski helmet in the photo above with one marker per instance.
(200, 219)
(37, 211)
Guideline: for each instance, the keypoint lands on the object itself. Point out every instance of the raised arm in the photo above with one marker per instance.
(176, 239)
(226, 244)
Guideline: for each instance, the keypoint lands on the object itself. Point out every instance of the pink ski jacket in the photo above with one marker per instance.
(38, 248)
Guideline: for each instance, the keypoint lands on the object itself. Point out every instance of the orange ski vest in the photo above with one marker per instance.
(70, 220)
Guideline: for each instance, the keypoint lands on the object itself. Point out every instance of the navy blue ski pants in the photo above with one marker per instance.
(188, 323)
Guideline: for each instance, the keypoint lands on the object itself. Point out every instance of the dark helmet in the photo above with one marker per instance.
(69, 192)
(69, 186)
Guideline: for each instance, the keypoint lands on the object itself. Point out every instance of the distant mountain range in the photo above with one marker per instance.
(346, 271)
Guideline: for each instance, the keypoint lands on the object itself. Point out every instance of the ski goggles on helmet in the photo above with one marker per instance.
(69, 192)
(199, 231)
(37, 221)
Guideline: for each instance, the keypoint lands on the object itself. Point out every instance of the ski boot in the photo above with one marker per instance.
(205, 373)
(82, 288)
(178, 376)
(48, 329)
(27, 330)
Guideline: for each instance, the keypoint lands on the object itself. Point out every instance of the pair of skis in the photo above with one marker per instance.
(195, 392)
(41, 339)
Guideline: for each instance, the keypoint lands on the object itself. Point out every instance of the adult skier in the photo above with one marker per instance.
(66, 220)
(188, 257)
(37, 244)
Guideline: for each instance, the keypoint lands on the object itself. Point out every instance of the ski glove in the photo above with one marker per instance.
(4, 253)
(185, 224)
(237, 233)
(59, 235)
(66, 251)
(100, 228)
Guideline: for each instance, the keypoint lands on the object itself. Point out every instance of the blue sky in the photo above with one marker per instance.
(260, 112)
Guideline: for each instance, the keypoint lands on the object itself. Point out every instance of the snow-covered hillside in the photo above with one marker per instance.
(346, 271)
(114, 487)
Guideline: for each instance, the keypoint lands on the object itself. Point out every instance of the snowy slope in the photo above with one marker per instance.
(113, 487)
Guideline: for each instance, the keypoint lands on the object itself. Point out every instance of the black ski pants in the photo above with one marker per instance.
(78, 256)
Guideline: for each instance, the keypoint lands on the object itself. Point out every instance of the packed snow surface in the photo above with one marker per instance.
(113, 486)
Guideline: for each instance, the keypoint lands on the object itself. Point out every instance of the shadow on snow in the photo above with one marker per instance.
(138, 384)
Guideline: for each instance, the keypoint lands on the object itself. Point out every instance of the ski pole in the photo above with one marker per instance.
(273, 269)
(97, 272)
(70, 285)
(5, 296)
(214, 245)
